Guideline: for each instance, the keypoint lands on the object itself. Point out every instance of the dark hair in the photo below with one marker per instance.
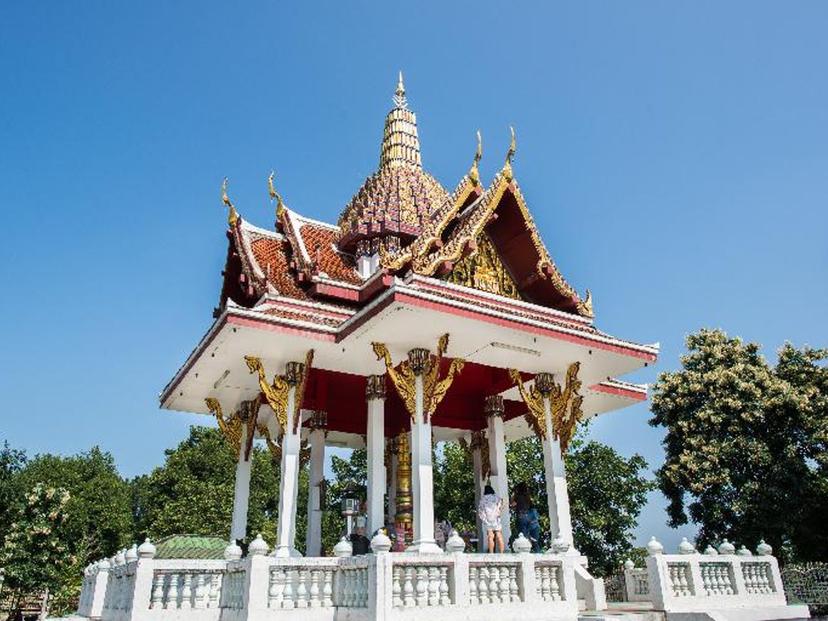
(488, 490)
(522, 489)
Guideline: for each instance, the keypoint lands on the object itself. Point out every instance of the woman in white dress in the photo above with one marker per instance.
(490, 509)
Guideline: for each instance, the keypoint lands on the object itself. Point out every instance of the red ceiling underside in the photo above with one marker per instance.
(342, 396)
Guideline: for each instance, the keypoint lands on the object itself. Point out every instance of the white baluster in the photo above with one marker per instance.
(276, 589)
(422, 586)
(157, 597)
(483, 585)
(186, 591)
(172, 592)
(514, 591)
(408, 588)
(215, 590)
(327, 587)
(396, 587)
(289, 599)
(315, 593)
(445, 599)
(473, 578)
(555, 583)
(433, 586)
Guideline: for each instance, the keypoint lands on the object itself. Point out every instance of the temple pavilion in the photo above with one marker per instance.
(425, 314)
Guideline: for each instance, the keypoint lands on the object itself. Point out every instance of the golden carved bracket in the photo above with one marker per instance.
(276, 393)
(230, 426)
(420, 362)
(565, 403)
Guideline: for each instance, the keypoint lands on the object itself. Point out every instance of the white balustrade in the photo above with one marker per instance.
(758, 577)
(420, 583)
(548, 581)
(637, 584)
(186, 589)
(494, 582)
(715, 580)
(681, 582)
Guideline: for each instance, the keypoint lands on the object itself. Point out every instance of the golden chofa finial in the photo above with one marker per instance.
(474, 172)
(510, 154)
(274, 195)
(399, 95)
(232, 215)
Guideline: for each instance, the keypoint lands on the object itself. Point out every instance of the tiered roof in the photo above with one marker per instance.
(477, 238)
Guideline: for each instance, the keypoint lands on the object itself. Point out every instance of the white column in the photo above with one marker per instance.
(241, 495)
(289, 480)
(313, 537)
(493, 409)
(422, 477)
(560, 522)
(477, 446)
(375, 439)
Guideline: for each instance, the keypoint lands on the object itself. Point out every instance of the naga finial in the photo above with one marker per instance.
(232, 215)
(274, 195)
(510, 154)
(474, 172)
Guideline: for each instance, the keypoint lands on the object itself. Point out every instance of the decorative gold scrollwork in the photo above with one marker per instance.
(277, 392)
(229, 426)
(485, 271)
(565, 403)
(566, 406)
(421, 362)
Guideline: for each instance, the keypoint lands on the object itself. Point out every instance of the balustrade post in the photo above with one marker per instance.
(98, 594)
(141, 596)
(528, 582)
(459, 583)
(256, 584)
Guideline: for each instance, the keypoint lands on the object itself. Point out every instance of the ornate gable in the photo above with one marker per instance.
(484, 270)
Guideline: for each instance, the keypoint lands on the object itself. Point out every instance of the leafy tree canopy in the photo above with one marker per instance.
(746, 444)
(192, 493)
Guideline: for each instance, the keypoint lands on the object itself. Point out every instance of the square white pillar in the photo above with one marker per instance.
(494, 409)
(375, 440)
(560, 521)
(422, 477)
(289, 480)
(313, 537)
(241, 492)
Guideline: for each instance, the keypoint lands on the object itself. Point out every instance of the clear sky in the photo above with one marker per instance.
(674, 156)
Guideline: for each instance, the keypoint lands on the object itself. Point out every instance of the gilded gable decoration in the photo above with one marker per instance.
(485, 271)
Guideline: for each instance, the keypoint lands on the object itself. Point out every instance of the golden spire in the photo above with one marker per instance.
(274, 195)
(474, 172)
(399, 95)
(510, 154)
(232, 215)
(400, 142)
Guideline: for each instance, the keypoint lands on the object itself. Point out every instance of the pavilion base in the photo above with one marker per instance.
(383, 586)
(424, 547)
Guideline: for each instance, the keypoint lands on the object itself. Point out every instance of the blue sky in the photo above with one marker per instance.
(674, 156)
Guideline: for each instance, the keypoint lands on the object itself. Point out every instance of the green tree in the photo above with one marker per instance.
(193, 491)
(746, 444)
(11, 463)
(350, 476)
(606, 491)
(606, 495)
(34, 554)
(99, 511)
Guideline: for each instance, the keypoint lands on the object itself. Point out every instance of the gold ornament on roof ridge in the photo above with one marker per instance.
(510, 154)
(474, 172)
(232, 214)
(274, 195)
